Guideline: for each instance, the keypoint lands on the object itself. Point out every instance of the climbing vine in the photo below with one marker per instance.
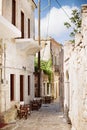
(46, 66)
(75, 24)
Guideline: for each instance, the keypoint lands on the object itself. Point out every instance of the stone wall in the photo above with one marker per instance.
(75, 77)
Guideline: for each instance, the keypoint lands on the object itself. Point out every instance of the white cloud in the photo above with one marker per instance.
(53, 23)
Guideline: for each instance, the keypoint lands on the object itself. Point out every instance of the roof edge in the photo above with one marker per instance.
(34, 3)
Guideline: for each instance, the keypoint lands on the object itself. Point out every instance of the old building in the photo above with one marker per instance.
(17, 49)
(75, 77)
(52, 50)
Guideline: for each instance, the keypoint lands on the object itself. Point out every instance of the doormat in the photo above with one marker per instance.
(3, 125)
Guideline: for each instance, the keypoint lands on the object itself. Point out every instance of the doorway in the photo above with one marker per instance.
(21, 87)
(11, 87)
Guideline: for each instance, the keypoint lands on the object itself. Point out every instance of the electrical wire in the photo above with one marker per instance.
(48, 18)
(62, 8)
(59, 4)
(46, 6)
(49, 3)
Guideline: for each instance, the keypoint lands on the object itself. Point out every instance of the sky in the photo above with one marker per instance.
(53, 15)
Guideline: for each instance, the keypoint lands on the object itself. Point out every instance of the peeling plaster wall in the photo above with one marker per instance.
(75, 63)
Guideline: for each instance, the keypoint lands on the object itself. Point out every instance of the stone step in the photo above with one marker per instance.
(1, 119)
(9, 116)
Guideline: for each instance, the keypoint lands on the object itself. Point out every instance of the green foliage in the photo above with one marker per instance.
(76, 21)
(36, 64)
(46, 66)
(67, 24)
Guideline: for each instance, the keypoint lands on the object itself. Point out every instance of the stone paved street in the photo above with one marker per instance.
(48, 117)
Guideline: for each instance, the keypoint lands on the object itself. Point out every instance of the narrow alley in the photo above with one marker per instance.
(48, 117)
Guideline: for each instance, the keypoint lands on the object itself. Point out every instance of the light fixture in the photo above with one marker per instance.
(23, 67)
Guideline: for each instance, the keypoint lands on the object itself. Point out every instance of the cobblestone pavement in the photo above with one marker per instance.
(48, 117)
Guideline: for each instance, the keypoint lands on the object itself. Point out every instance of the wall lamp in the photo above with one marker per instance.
(23, 67)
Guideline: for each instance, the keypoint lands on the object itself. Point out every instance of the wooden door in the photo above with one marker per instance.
(13, 12)
(22, 24)
(11, 87)
(21, 87)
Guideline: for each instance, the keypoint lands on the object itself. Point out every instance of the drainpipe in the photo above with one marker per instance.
(4, 67)
(4, 62)
(5, 71)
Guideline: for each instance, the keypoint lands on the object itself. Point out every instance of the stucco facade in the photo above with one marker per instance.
(75, 77)
(54, 51)
(16, 55)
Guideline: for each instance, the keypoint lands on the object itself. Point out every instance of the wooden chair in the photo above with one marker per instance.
(36, 104)
(24, 111)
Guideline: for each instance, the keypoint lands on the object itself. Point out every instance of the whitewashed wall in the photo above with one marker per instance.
(76, 65)
(14, 61)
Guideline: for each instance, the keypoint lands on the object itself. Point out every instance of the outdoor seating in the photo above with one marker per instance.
(24, 111)
(48, 99)
(35, 104)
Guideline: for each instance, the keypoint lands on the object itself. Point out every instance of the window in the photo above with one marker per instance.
(44, 88)
(21, 87)
(47, 88)
(36, 90)
(22, 24)
(13, 12)
(55, 60)
(28, 28)
(28, 85)
(52, 60)
(11, 87)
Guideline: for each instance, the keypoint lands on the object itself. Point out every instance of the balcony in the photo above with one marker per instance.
(27, 46)
(7, 30)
